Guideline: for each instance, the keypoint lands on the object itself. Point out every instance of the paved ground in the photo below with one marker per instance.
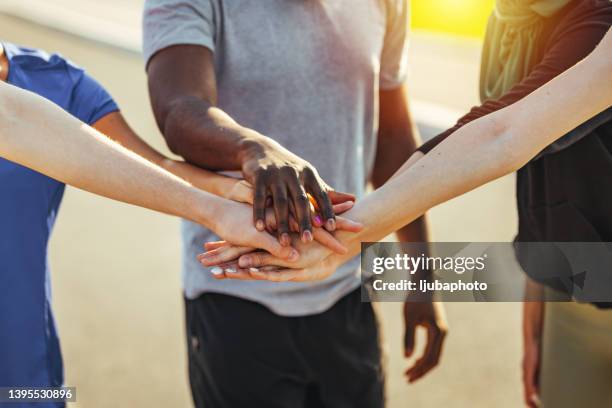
(116, 268)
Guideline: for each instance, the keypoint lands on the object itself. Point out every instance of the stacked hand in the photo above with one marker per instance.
(316, 262)
(286, 179)
(244, 240)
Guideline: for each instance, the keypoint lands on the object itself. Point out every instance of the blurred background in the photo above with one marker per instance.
(123, 341)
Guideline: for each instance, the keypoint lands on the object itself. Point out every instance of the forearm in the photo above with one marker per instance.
(206, 180)
(116, 127)
(484, 150)
(393, 150)
(396, 145)
(206, 136)
(38, 134)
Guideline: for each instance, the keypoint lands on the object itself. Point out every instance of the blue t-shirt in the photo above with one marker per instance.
(29, 347)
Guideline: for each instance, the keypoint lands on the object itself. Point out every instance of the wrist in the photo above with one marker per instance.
(205, 209)
(252, 146)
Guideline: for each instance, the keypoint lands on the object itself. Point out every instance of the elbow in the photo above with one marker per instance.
(511, 153)
(514, 150)
(173, 142)
(507, 144)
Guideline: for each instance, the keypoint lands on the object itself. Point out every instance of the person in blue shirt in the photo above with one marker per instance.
(29, 201)
(30, 353)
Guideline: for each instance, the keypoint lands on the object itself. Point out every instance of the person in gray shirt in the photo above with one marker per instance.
(290, 93)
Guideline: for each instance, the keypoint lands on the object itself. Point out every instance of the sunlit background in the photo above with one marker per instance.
(456, 17)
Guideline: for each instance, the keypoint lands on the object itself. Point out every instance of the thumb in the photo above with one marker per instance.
(271, 244)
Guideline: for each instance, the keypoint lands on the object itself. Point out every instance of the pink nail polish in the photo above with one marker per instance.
(244, 261)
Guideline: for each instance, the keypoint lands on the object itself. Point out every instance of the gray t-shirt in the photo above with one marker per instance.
(305, 73)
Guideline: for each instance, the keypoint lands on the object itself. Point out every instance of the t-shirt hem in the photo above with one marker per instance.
(112, 107)
(284, 309)
(389, 86)
(149, 52)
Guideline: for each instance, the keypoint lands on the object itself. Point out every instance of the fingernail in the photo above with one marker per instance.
(318, 220)
(244, 261)
(330, 224)
(285, 239)
(253, 269)
(307, 236)
(260, 225)
(230, 270)
(216, 270)
(294, 255)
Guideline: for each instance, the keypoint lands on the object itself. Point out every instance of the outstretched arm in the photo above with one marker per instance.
(492, 146)
(37, 134)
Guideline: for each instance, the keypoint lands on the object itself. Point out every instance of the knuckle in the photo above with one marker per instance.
(309, 172)
(289, 171)
(257, 259)
(261, 173)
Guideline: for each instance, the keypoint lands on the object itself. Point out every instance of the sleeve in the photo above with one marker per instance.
(394, 56)
(576, 38)
(89, 101)
(174, 22)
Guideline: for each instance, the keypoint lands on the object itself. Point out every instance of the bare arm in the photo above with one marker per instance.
(116, 127)
(492, 146)
(38, 134)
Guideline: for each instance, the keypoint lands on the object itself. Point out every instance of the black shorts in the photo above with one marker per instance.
(243, 355)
